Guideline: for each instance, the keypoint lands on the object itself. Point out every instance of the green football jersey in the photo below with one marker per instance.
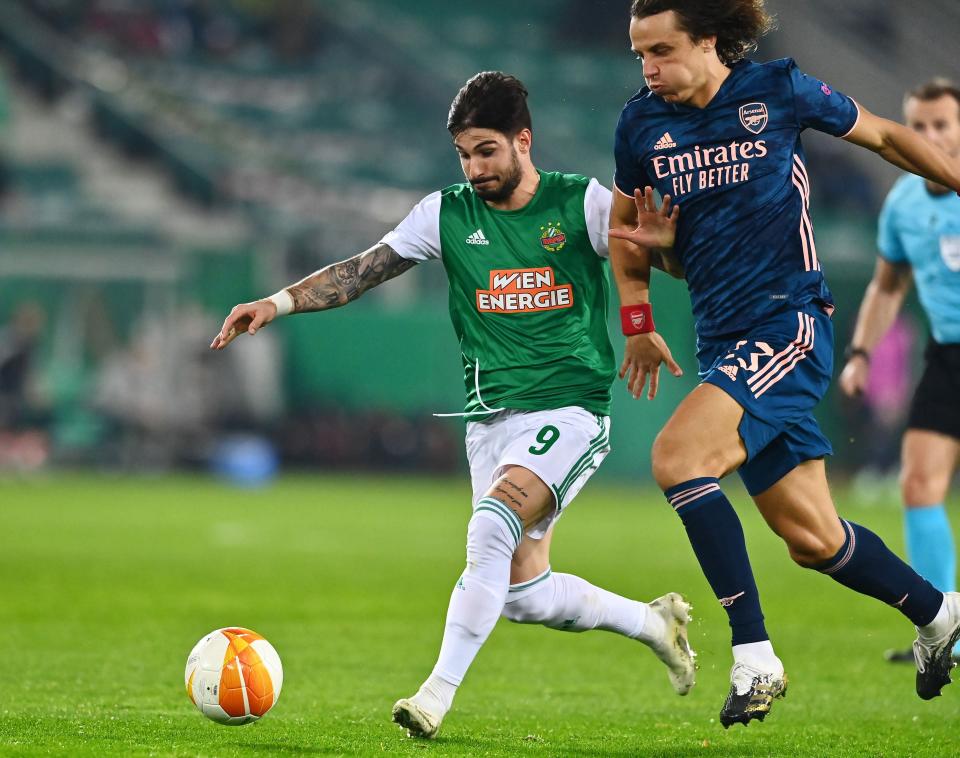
(528, 292)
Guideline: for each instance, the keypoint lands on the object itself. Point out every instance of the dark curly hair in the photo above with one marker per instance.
(490, 100)
(737, 24)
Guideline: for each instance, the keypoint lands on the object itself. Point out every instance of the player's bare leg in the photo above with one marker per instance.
(929, 460)
(516, 500)
(699, 445)
(569, 603)
(800, 509)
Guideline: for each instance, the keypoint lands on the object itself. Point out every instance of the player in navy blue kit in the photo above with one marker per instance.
(920, 239)
(720, 136)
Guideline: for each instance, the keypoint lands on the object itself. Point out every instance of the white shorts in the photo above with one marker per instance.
(563, 447)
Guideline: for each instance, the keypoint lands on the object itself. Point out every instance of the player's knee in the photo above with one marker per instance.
(674, 460)
(920, 487)
(492, 534)
(667, 460)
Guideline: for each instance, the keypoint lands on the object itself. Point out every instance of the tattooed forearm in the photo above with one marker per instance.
(339, 283)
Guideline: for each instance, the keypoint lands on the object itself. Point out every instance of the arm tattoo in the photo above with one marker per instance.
(339, 283)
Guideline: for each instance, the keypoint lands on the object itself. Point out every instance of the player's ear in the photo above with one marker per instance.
(523, 140)
(708, 44)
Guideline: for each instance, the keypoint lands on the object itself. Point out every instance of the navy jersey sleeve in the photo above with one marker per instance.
(821, 107)
(630, 173)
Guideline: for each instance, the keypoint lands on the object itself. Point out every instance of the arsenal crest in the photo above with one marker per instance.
(754, 117)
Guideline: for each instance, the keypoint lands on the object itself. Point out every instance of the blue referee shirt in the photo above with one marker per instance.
(923, 230)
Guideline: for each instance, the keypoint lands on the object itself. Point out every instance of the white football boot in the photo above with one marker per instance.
(752, 692)
(421, 714)
(933, 652)
(674, 649)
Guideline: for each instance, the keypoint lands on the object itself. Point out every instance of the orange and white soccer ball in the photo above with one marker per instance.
(233, 676)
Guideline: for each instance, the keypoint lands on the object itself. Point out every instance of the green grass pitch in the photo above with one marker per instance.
(105, 585)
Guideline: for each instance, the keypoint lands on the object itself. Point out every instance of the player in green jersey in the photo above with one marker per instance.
(524, 251)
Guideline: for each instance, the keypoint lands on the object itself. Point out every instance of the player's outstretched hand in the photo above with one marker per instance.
(853, 378)
(246, 317)
(642, 356)
(656, 227)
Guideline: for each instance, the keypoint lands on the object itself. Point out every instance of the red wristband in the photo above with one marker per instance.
(637, 319)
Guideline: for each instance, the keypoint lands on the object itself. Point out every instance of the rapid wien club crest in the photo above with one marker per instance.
(754, 117)
(552, 237)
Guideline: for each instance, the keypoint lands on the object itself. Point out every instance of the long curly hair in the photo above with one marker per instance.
(737, 24)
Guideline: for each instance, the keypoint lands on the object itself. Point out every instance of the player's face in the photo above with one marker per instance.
(490, 161)
(937, 120)
(674, 66)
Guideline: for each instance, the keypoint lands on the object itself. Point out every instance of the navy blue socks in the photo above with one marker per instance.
(717, 539)
(866, 565)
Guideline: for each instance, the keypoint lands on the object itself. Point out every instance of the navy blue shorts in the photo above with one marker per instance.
(778, 372)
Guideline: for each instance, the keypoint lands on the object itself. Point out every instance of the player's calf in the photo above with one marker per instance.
(809, 549)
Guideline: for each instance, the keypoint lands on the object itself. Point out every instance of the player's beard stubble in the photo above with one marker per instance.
(496, 192)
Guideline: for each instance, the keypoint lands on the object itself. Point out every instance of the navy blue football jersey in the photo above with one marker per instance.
(736, 168)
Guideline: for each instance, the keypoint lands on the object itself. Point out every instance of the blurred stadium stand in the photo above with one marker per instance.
(161, 160)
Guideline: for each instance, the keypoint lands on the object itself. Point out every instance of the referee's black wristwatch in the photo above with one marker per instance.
(854, 352)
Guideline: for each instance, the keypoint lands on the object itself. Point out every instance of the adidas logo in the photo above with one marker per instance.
(664, 142)
(477, 238)
(730, 371)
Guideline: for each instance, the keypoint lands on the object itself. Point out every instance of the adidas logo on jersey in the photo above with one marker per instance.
(477, 238)
(664, 142)
(730, 371)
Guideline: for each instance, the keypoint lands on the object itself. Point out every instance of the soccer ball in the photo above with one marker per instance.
(233, 676)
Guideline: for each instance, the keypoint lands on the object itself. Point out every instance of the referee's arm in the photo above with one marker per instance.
(881, 303)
